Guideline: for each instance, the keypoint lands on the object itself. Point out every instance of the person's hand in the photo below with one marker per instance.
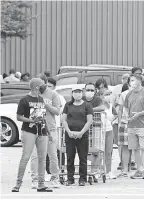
(71, 134)
(38, 120)
(50, 138)
(135, 116)
(78, 135)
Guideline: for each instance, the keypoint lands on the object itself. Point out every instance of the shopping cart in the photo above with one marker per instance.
(96, 145)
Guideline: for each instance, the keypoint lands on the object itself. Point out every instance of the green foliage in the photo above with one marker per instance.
(15, 19)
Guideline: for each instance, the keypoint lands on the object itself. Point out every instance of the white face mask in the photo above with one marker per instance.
(89, 94)
(77, 96)
(133, 84)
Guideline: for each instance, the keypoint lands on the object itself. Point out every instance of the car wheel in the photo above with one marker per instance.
(8, 132)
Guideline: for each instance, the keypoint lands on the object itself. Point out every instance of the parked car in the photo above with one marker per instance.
(113, 77)
(68, 69)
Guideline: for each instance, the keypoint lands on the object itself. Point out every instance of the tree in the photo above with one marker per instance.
(14, 19)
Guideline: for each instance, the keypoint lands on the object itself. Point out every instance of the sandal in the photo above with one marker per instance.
(45, 189)
(15, 189)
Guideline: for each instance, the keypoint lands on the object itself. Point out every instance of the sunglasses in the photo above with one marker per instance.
(90, 90)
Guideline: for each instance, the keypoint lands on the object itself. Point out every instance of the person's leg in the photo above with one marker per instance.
(47, 164)
(108, 153)
(115, 135)
(28, 142)
(125, 158)
(41, 145)
(61, 159)
(34, 166)
(82, 149)
(52, 153)
(70, 152)
(133, 144)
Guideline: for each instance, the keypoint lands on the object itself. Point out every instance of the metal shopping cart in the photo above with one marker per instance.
(96, 145)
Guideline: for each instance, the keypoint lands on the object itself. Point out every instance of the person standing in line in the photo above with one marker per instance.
(11, 78)
(77, 118)
(90, 96)
(52, 85)
(52, 105)
(111, 115)
(25, 77)
(123, 134)
(134, 104)
(31, 111)
(115, 101)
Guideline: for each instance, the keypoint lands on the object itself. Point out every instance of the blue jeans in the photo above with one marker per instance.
(29, 140)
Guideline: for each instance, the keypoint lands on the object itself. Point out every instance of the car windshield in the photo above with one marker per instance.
(67, 81)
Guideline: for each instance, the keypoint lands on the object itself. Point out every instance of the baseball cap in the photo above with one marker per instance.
(77, 87)
(34, 82)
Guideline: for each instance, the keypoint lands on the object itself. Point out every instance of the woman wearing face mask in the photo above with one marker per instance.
(110, 112)
(31, 111)
(77, 118)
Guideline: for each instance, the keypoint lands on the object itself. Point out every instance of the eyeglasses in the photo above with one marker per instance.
(90, 90)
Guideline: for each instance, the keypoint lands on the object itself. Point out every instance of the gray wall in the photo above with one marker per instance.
(79, 33)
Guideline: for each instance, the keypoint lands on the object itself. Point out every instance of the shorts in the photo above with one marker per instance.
(123, 135)
(136, 138)
(115, 132)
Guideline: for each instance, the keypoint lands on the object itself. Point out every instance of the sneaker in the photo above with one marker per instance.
(125, 175)
(47, 177)
(54, 184)
(120, 167)
(137, 175)
(82, 183)
(34, 185)
(110, 176)
(133, 165)
(70, 182)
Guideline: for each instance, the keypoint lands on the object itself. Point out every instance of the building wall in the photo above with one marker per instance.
(79, 33)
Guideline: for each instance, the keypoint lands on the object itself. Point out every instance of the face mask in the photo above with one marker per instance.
(133, 85)
(42, 89)
(89, 94)
(107, 98)
(77, 96)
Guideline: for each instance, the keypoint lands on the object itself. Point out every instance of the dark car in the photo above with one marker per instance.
(112, 76)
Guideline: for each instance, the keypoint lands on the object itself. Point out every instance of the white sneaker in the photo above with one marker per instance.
(110, 176)
(34, 185)
(47, 177)
(54, 184)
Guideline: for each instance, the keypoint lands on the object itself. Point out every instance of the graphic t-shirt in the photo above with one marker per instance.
(32, 107)
(77, 115)
(135, 103)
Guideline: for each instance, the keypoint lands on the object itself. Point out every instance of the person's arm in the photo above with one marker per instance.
(87, 125)
(55, 107)
(65, 124)
(21, 118)
(120, 113)
(99, 108)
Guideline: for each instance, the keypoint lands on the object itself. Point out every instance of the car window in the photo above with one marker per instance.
(94, 78)
(13, 91)
(63, 92)
(67, 80)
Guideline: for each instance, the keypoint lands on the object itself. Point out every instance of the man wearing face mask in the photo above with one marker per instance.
(52, 105)
(134, 104)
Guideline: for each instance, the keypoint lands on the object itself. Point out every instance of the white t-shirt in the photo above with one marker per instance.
(109, 118)
(121, 102)
(59, 117)
(11, 78)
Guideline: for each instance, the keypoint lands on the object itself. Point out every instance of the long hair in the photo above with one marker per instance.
(71, 101)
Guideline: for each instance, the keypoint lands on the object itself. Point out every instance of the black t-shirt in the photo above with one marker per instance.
(96, 101)
(77, 115)
(32, 107)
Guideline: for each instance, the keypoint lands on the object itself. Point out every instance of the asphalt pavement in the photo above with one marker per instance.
(123, 188)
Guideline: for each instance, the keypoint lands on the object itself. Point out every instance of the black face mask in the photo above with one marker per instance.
(42, 88)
